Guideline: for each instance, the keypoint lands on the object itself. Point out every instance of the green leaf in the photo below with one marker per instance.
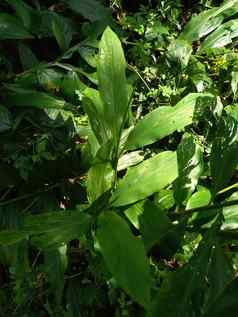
(100, 179)
(179, 53)
(200, 198)
(146, 178)
(62, 32)
(27, 57)
(207, 21)
(230, 215)
(191, 288)
(12, 28)
(190, 168)
(222, 36)
(129, 264)
(154, 224)
(20, 97)
(51, 230)
(55, 263)
(198, 75)
(95, 110)
(234, 82)
(224, 153)
(112, 82)
(8, 237)
(133, 213)
(90, 9)
(164, 121)
(5, 119)
(130, 159)
(225, 302)
(23, 11)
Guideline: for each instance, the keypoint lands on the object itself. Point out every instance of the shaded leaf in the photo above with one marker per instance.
(5, 119)
(224, 150)
(12, 28)
(27, 57)
(190, 168)
(90, 9)
(208, 272)
(154, 224)
(31, 98)
(129, 264)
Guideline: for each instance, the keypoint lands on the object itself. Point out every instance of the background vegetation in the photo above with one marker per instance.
(119, 155)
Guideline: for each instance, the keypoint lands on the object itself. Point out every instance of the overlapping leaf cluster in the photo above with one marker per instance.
(110, 205)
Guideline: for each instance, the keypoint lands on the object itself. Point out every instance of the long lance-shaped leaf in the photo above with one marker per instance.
(165, 120)
(12, 28)
(208, 21)
(207, 273)
(190, 167)
(224, 153)
(222, 36)
(129, 264)
(146, 178)
(112, 82)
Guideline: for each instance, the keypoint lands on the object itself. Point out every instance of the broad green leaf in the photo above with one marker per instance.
(146, 178)
(89, 55)
(20, 97)
(12, 28)
(129, 264)
(154, 224)
(200, 198)
(164, 199)
(224, 153)
(222, 36)
(90, 9)
(187, 292)
(164, 121)
(72, 87)
(27, 57)
(190, 168)
(95, 110)
(23, 11)
(226, 302)
(179, 52)
(234, 82)
(133, 213)
(206, 22)
(5, 119)
(130, 159)
(55, 264)
(112, 82)
(51, 230)
(100, 179)
(230, 215)
(232, 110)
(62, 32)
(8, 237)
(198, 75)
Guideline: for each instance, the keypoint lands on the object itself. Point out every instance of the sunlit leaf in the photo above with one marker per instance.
(164, 121)
(146, 178)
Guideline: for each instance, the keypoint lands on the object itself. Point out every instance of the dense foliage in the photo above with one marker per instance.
(119, 155)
